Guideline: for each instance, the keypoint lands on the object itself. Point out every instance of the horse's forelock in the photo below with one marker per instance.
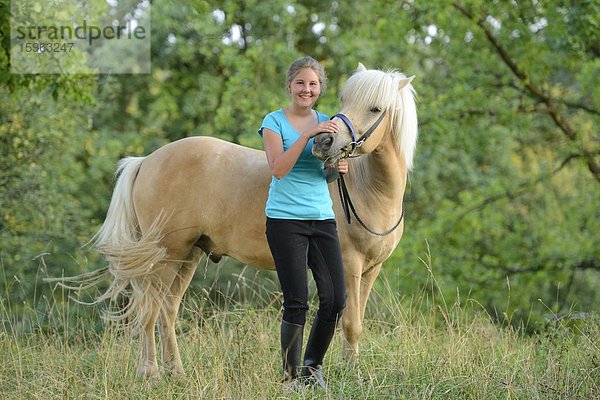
(374, 88)
(369, 89)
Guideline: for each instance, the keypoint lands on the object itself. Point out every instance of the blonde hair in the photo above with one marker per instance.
(307, 62)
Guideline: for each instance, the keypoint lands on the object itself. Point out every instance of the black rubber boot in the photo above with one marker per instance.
(320, 337)
(291, 349)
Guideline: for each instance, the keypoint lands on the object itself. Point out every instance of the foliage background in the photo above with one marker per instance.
(502, 203)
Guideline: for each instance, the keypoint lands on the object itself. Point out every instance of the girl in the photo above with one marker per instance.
(301, 228)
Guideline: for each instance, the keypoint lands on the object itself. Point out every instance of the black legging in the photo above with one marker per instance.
(296, 244)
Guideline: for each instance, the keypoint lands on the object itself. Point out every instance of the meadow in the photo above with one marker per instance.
(413, 347)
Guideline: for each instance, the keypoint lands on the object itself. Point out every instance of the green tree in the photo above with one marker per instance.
(506, 181)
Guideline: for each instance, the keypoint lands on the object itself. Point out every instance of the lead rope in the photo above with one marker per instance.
(348, 206)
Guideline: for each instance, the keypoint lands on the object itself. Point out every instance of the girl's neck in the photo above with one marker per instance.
(298, 111)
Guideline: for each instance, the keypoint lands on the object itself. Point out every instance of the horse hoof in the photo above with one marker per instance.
(351, 356)
(148, 372)
(178, 373)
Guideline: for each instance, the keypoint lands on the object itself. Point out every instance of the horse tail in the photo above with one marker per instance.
(120, 228)
(131, 254)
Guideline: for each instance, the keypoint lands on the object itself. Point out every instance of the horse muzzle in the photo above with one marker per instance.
(322, 147)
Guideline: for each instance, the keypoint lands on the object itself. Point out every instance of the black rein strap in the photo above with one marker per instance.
(348, 206)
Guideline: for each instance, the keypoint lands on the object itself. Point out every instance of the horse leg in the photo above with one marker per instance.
(368, 279)
(168, 314)
(148, 366)
(351, 322)
(155, 295)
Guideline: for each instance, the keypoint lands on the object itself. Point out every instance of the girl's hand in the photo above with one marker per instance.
(323, 127)
(342, 166)
(333, 171)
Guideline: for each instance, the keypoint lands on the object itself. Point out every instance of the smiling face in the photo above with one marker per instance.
(305, 88)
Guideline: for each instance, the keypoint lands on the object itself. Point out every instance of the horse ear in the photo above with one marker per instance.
(360, 67)
(405, 81)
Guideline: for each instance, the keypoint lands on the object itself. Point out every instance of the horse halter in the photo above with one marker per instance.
(348, 150)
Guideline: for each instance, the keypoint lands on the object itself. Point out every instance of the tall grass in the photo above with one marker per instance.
(413, 347)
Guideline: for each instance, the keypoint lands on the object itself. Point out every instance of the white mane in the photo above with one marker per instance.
(373, 88)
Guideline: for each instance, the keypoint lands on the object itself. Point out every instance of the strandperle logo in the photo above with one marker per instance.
(71, 36)
(80, 32)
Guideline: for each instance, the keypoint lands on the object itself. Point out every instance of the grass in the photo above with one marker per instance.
(230, 350)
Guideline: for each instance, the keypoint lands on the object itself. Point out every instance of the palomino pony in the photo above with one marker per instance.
(202, 195)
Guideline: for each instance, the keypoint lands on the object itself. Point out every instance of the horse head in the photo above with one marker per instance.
(374, 103)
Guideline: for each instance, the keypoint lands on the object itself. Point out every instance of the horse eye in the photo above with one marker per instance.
(375, 110)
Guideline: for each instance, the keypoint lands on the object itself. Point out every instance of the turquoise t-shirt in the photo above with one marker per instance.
(302, 193)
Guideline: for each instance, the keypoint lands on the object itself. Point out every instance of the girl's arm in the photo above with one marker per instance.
(281, 162)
